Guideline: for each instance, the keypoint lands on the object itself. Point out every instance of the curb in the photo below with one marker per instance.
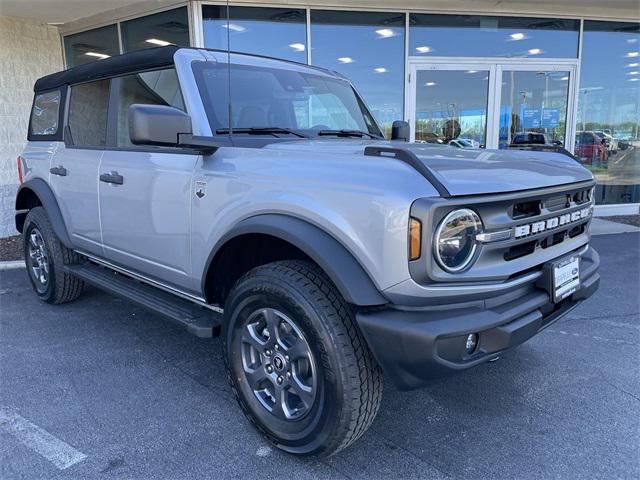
(12, 265)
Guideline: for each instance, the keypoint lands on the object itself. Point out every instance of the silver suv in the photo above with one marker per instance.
(257, 199)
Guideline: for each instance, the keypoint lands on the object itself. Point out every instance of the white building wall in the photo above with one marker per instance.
(28, 50)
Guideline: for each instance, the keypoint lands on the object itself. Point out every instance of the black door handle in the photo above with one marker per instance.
(112, 177)
(58, 170)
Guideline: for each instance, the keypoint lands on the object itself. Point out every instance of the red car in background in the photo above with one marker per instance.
(591, 149)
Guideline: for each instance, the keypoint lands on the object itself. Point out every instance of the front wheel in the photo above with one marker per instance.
(298, 364)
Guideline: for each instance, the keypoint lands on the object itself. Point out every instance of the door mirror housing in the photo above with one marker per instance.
(158, 125)
(165, 126)
(400, 130)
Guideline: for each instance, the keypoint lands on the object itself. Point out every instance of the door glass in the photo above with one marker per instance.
(451, 107)
(88, 114)
(159, 87)
(533, 108)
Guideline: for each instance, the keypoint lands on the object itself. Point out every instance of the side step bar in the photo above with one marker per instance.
(196, 319)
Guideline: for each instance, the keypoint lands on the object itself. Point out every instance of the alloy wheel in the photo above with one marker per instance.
(38, 258)
(278, 364)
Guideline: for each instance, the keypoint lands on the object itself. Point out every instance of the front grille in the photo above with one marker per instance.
(544, 224)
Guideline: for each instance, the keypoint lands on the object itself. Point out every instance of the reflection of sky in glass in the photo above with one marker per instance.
(606, 86)
(368, 48)
(474, 36)
(274, 32)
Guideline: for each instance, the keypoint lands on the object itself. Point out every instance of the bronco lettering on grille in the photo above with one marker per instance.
(550, 223)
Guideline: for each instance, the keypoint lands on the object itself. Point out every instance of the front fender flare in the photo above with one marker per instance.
(47, 199)
(336, 261)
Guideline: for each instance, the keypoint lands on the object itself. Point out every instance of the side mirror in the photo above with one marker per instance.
(400, 130)
(157, 125)
(165, 126)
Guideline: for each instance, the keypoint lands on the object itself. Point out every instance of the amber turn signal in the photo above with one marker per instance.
(415, 234)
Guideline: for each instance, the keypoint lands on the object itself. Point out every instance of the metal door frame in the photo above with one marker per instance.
(495, 67)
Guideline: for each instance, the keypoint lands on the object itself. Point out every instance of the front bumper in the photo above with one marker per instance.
(413, 346)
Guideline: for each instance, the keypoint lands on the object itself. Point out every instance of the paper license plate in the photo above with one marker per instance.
(566, 278)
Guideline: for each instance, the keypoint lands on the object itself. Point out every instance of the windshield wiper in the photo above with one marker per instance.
(347, 133)
(261, 131)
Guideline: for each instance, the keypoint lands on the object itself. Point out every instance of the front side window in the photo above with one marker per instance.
(88, 114)
(45, 113)
(159, 87)
(309, 103)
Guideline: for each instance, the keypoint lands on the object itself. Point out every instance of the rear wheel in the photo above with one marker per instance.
(298, 364)
(45, 258)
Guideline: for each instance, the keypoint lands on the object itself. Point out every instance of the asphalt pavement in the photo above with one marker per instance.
(102, 389)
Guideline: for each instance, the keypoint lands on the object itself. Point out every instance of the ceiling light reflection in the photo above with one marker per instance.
(386, 33)
(298, 47)
(345, 60)
(234, 27)
(423, 49)
(380, 70)
(157, 41)
(101, 56)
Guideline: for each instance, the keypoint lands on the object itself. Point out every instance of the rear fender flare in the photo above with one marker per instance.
(45, 195)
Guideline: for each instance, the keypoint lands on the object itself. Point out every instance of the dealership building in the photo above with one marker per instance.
(486, 73)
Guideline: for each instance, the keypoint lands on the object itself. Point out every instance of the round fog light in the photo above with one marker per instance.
(472, 343)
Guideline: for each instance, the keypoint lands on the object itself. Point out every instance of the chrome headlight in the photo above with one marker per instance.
(455, 239)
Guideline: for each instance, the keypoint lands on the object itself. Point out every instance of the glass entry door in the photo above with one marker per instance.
(534, 105)
(450, 104)
(492, 104)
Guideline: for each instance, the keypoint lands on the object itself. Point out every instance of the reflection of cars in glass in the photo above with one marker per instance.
(530, 138)
(461, 143)
(610, 142)
(428, 137)
(474, 143)
(590, 147)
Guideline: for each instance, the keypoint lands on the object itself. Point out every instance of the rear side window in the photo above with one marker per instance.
(88, 108)
(159, 87)
(45, 114)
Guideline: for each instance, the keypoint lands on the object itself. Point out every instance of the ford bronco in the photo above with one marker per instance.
(258, 200)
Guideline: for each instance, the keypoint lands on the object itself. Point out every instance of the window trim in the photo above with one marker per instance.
(55, 137)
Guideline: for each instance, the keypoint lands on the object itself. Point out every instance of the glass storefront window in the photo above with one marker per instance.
(608, 120)
(451, 107)
(91, 45)
(481, 36)
(157, 30)
(533, 108)
(274, 32)
(368, 48)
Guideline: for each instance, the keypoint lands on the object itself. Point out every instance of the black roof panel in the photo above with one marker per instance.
(110, 67)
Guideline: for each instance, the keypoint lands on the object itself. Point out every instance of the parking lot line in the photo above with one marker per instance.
(61, 454)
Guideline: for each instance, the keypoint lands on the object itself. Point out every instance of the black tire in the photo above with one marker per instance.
(348, 381)
(58, 286)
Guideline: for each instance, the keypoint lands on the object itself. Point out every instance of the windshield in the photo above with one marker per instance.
(262, 98)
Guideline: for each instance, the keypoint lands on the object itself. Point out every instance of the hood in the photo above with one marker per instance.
(466, 171)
